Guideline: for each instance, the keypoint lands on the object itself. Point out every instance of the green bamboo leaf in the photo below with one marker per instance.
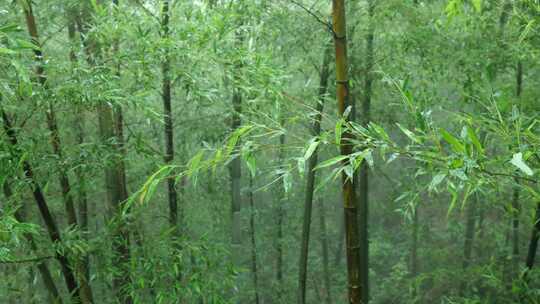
(218, 157)
(380, 130)
(287, 181)
(301, 165)
(349, 171)
(23, 44)
(251, 163)
(149, 186)
(368, 156)
(466, 195)
(453, 8)
(235, 137)
(9, 28)
(347, 111)
(453, 192)
(517, 160)
(193, 165)
(327, 179)
(437, 179)
(477, 4)
(474, 139)
(5, 51)
(526, 31)
(532, 191)
(456, 145)
(331, 161)
(314, 143)
(409, 134)
(339, 127)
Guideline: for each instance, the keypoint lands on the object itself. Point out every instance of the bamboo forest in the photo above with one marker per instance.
(269, 151)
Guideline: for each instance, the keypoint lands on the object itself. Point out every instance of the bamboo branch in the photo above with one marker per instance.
(318, 18)
(147, 11)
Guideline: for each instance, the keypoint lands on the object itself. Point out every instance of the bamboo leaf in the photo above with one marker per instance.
(368, 157)
(327, 179)
(456, 145)
(331, 161)
(526, 31)
(437, 179)
(474, 140)
(301, 165)
(27, 45)
(193, 165)
(149, 186)
(466, 195)
(235, 137)
(453, 192)
(349, 171)
(311, 148)
(339, 127)
(380, 130)
(517, 160)
(5, 51)
(251, 163)
(477, 4)
(287, 181)
(392, 157)
(217, 159)
(408, 133)
(347, 111)
(532, 191)
(453, 8)
(9, 28)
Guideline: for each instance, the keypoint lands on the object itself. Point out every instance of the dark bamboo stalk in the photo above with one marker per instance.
(41, 265)
(338, 255)
(254, 269)
(533, 244)
(414, 250)
(363, 182)
(470, 224)
(324, 252)
(110, 126)
(118, 114)
(48, 219)
(50, 113)
(79, 129)
(235, 166)
(167, 116)
(516, 208)
(116, 198)
(280, 214)
(311, 175)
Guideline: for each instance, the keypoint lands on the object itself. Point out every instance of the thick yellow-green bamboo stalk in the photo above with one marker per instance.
(349, 196)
